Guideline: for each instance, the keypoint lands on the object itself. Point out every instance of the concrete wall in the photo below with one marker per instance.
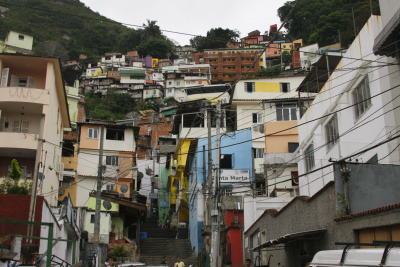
(105, 226)
(300, 215)
(370, 186)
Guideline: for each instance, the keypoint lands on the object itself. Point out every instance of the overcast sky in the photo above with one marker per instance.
(193, 17)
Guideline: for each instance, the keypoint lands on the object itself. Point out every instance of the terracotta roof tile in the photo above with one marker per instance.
(368, 212)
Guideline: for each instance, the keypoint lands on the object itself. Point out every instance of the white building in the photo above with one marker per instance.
(353, 111)
(247, 102)
(118, 159)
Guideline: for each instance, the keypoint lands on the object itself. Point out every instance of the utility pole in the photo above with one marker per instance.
(214, 211)
(209, 155)
(96, 235)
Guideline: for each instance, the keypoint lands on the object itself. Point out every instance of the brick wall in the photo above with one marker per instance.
(16, 207)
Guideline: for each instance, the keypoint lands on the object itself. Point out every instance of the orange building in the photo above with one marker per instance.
(228, 65)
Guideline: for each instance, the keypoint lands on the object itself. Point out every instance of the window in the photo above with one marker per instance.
(110, 187)
(332, 132)
(20, 126)
(257, 118)
(187, 82)
(286, 112)
(295, 178)
(93, 133)
(285, 87)
(226, 161)
(115, 134)
(169, 83)
(249, 87)
(118, 56)
(178, 83)
(92, 218)
(309, 157)
(67, 149)
(361, 97)
(21, 37)
(258, 153)
(107, 58)
(292, 147)
(112, 160)
(112, 74)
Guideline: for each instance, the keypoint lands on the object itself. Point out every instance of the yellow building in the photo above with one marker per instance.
(17, 42)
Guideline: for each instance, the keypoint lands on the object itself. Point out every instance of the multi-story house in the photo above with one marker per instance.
(185, 52)
(353, 111)
(235, 179)
(179, 77)
(118, 158)
(228, 65)
(113, 59)
(250, 113)
(34, 113)
(17, 42)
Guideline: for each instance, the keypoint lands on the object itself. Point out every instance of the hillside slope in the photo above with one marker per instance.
(69, 22)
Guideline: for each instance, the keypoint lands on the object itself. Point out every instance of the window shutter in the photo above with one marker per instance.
(16, 126)
(14, 81)
(31, 82)
(4, 77)
(25, 127)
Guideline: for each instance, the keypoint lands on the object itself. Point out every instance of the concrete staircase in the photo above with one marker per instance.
(162, 242)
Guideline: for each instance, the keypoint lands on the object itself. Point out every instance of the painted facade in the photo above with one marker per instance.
(33, 105)
(343, 110)
(236, 157)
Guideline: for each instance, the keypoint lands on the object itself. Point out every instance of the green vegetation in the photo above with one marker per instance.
(77, 27)
(118, 251)
(114, 106)
(319, 21)
(269, 72)
(216, 38)
(11, 184)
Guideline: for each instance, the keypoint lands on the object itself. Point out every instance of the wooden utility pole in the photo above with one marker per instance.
(96, 236)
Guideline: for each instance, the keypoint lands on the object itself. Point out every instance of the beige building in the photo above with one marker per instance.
(33, 114)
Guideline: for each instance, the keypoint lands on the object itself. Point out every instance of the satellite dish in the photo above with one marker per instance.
(107, 205)
(148, 171)
(52, 49)
(124, 188)
(275, 167)
(140, 175)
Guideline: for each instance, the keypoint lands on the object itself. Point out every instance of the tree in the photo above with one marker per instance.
(216, 38)
(319, 21)
(157, 48)
(11, 184)
(151, 30)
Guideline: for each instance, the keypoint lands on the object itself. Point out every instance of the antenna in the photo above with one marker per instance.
(107, 205)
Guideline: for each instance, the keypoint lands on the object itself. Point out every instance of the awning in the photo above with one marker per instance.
(69, 173)
(313, 234)
(388, 39)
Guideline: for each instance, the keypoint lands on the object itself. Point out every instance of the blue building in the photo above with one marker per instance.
(236, 166)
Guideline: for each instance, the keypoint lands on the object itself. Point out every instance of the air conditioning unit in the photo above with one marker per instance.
(255, 127)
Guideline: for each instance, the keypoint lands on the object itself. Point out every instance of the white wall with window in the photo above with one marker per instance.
(352, 112)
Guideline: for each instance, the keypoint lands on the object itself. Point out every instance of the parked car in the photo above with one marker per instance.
(357, 257)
